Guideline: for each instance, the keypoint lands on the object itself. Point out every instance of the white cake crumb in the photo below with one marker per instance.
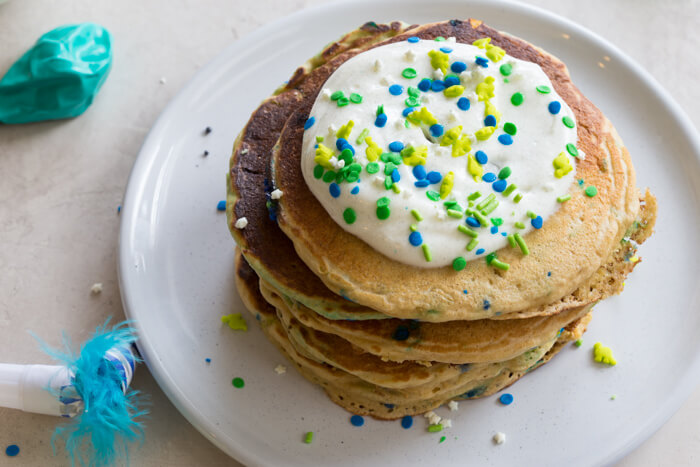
(377, 65)
(244, 151)
(410, 56)
(241, 223)
(446, 423)
(276, 194)
(398, 124)
(96, 288)
(384, 81)
(499, 438)
(280, 369)
(453, 405)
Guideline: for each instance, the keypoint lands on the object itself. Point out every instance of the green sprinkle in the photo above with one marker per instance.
(309, 437)
(409, 73)
(337, 95)
(426, 253)
(416, 215)
(578, 342)
(319, 139)
(395, 188)
(485, 201)
(506, 69)
(361, 138)
(591, 191)
(318, 172)
(489, 208)
(568, 122)
(506, 80)
(449, 204)
(412, 102)
(474, 196)
(383, 201)
(466, 230)
(439, 39)
(571, 149)
(343, 101)
(432, 195)
(349, 215)
(531, 214)
(510, 189)
(566, 197)
(388, 182)
(340, 175)
(459, 263)
(435, 428)
(380, 109)
(517, 198)
(389, 168)
(504, 172)
(496, 221)
(442, 439)
(511, 241)
(500, 265)
(521, 243)
(490, 257)
(238, 382)
(355, 98)
(454, 213)
(472, 244)
(372, 168)
(413, 227)
(406, 124)
(413, 92)
(519, 225)
(482, 220)
(329, 176)
(543, 89)
(516, 99)
(510, 128)
(383, 212)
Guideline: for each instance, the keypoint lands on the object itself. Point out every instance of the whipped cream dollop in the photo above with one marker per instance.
(436, 153)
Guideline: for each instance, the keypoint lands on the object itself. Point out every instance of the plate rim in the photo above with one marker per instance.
(149, 151)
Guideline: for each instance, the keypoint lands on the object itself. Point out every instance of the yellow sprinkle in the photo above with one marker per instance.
(373, 150)
(422, 116)
(447, 184)
(490, 109)
(481, 43)
(345, 130)
(603, 354)
(235, 321)
(454, 91)
(462, 146)
(484, 133)
(561, 164)
(494, 52)
(323, 156)
(485, 89)
(414, 155)
(475, 169)
(439, 59)
(634, 259)
(451, 136)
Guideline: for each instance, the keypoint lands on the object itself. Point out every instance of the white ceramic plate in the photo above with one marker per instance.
(177, 272)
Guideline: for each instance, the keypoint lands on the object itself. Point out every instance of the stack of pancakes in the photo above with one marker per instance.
(387, 339)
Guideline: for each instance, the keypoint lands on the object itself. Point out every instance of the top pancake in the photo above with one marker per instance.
(571, 246)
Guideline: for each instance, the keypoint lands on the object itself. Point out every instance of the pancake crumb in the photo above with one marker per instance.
(96, 288)
(499, 438)
(277, 193)
(280, 369)
(241, 223)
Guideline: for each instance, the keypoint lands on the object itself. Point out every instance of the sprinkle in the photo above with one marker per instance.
(96, 288)
(554, 107)
(465, 293)
(413, 227)
(516, 99)
(357, 420)
(383, 212)
(426, 253)
(505, 139)
(459, 263)
(412, 102)
(521, 243)
(490, 120)
(343, 101)
(280, 369)
(221, 206)
(473, 222)
(510, 128)
(473, 196)
(482, 220)
(395, 89)
(349, 215)
(506, 399)
(481, 61)
(439, 39)
(309, 437)
(401, 333)
(380, 109)
(487, 304)
(241, 223)
(463, 103)
(591, 191)
(455, 214)
(510, 189)
(517, 198)
(511, 241)
(309, 123)
(395, 176)
(472, 244)
(571, 149)
(467, 231)
(562, 166)
(499, 438)
(119, 209)
(432, 195)
(415, 239)
(318, 172)
(406, 422)
(602, 354)
(396, 146)
(563, 198)
(454, 91)
(568, 122)
(442, 438)
(276, 194)
(435, 428)
(499, 185)
(437, 130)
(372, 168)
(493, 204)
(409, 73)
(207, 130)
(489, 177)
(238, 382)
(424, 85)
(578, 342)
(458, 67)
(208, 360)
(12, 450)
(416, 215)
(437, 86)
(519, 225)
(481, 157)
(486, 200)
(537, 222)
(543, 89)
(446, 49)
(334, 189)
(235, 321)
(496, 221)
(439, 60)
(531, 214)
(337, 95)
(413, 39)
(506, 69)
(380, 121)
(419, 172)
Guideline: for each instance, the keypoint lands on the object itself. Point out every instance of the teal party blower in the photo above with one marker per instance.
(90, 388)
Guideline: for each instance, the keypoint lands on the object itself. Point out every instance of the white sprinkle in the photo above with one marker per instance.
(549, 186)
(398, 124)
(453, 117)
(451, 39)
(446, 423)
(453, 405)
(384, 81)
(276, 194)
(339, 163)
(162, 80)
(428, 414)
(433, 418)
(332, 129)
(499, 438)
(96, 288)
(326, 93)
(241, 223)
(425, 98)
(581, 155)
(377, 65)
(441, 215)
(280, 369)
(438, 74)
(410, 56)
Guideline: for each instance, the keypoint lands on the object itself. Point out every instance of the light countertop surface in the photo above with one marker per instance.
(61, 183)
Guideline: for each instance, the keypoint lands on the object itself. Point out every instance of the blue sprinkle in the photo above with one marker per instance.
(421, 183)
(347, 146)
(480, 251)
(505, 139)
(506, 399)
(549, 273)
(434, 177)
(357, 420)
(340, 142)
(401, 333)
(437, 85)
(389, 406)
(316, 146)
(424, 85)
(221, 206)
(309, 123)
(407, 422)
(537, 222)
(380, 121)
(355, 190)
(465, 291)
(415, 239)
(505, 234)
(463, 103)
(12, 450)
(481, 61)
(445, 49)
(494, 229)
(451, 81)
(499, 185)
(119, 209)
(413, 39)
(419, 172)
(554, 107)
(458, 67)
(487, 304)
(396, 146)
(489, 177)
(473, 222)
(437, 130)
(395, 89)
(407, 111)
(334, 189)
(395, 175)
(490, 120)
(481, 157)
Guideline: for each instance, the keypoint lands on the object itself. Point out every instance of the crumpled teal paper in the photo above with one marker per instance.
(58, 77)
